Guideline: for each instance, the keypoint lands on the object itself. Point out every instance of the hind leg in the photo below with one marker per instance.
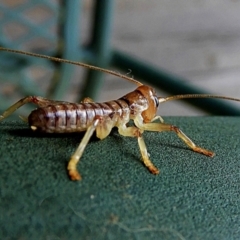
(39, 101)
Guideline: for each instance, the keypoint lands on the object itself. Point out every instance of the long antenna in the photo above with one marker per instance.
(184, 96)
(74, 63)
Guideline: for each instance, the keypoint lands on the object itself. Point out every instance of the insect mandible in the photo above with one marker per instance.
(139, 105)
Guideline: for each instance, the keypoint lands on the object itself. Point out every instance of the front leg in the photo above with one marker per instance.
(160, 127)
(135, 132)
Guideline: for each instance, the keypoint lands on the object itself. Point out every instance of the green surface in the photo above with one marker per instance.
(194, 197)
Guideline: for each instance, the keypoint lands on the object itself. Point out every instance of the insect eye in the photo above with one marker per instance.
(156, 101)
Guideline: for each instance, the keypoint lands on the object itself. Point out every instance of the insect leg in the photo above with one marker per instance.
(135, 132)
(87, 100)
(72, 165)
(103, 126)
(156, 118)
(39, 101)
(159, 127)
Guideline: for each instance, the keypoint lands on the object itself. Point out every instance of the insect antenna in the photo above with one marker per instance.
(74, 63)
(184, 96)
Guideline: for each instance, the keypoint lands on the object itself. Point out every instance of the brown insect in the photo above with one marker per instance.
(139, 105)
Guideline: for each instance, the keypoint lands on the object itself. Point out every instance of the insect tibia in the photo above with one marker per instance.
(184, 96)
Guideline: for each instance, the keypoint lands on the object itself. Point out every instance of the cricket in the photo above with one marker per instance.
(88, 116)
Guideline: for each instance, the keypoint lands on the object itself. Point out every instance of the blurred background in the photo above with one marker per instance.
(196, 40)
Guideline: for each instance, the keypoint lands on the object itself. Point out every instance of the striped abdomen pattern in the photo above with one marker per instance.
(72, 117)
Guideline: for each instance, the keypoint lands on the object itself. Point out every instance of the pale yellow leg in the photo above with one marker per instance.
(39, 101)
(147, 162)
(15, 106)
(135, 132)
(158, 117)
(72, 165)
(159, 127)
(87, 100)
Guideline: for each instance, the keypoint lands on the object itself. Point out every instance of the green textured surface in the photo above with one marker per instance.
(194, 197)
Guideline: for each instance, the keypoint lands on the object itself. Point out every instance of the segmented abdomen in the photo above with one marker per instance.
(71, 117)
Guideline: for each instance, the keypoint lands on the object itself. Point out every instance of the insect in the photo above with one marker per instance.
(139, 105)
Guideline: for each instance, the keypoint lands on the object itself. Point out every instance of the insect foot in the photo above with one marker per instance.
(153, 170)
(72, 171)
(204, 151)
